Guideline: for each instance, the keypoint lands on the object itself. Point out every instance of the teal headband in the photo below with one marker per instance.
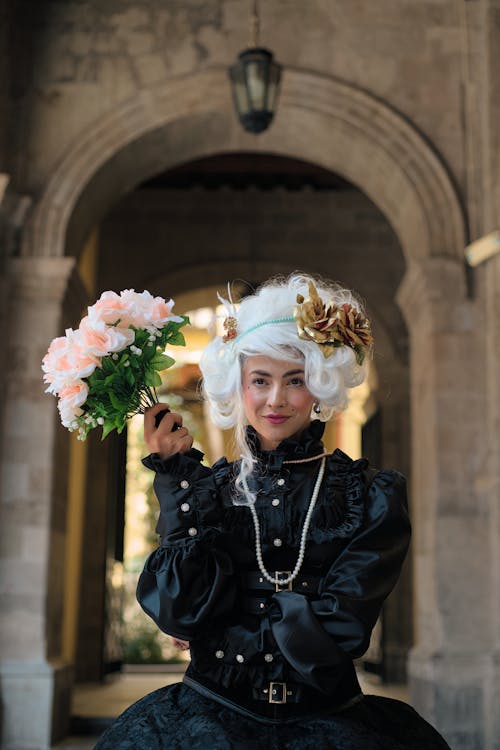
(289, 319)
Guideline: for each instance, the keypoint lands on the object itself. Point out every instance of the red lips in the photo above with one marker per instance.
(275, 418)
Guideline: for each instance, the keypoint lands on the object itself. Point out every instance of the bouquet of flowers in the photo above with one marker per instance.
(107, 370)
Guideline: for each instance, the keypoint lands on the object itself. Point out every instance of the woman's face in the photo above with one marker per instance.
(276, 400)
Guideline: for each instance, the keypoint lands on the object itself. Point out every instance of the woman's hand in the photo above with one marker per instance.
(181, 645)
(165, 440)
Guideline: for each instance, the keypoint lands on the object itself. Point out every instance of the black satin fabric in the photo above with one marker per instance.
(193, 583)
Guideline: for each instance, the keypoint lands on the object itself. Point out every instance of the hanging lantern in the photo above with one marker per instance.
(255, 80)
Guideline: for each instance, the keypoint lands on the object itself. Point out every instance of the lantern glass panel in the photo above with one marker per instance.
(274, 77)
(240, 94)
(257, 84)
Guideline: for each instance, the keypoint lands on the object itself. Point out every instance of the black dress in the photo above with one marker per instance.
(273, 668)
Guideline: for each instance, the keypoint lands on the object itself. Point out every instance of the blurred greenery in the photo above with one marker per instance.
(143, 642)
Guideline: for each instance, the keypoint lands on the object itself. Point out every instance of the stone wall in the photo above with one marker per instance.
(400, 98)
(90, 56)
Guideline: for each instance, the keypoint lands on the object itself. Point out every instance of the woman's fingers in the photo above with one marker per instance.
(149, 419)
(187, 444)
(167, 423)
(177, 443)
(165, 439)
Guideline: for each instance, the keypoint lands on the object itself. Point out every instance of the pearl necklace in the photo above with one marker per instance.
(306, 460)
(303, 537)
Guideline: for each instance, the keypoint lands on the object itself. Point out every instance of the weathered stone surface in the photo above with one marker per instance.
(400, 97)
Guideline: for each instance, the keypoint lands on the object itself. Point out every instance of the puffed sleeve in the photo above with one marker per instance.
(318, 636)
(189, 579)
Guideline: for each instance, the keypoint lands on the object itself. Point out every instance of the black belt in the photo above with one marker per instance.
(305, 584)
(269, 702)
(254, 605)
(279, 693)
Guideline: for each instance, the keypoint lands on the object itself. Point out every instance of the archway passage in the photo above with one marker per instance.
(242, 217)
(248, 216)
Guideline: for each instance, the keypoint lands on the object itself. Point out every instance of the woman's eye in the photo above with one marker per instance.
(297, 381)
(258, 381)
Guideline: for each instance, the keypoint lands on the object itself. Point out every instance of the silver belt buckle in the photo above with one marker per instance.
(285, 574)
(277, 692)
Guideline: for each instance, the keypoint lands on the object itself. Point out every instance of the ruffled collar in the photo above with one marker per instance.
(307, 444)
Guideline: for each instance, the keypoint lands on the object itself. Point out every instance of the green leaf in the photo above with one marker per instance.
(148, 352)
(176, 339)
(115, 401)
(141, 337)
(107, 365)
(173, 327)
(93, 378)
(161, 362)
(152, 379)
(107, 428)
(129, 376)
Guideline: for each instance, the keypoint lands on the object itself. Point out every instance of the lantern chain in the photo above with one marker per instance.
(255, 33)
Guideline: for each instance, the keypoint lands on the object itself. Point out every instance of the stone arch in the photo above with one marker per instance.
(320, 119)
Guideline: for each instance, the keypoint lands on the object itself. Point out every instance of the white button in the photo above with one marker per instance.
(185, 507)
(281, 482)
(184, 484)
(261, 580)
(262, 605)
(219, 654)
(240, 658)
(192, 531)
(275, 502)
(277, 542)
(268, 657)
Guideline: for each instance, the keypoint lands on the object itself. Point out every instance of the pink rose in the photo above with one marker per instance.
(72, 397)
(66, 362)
(57, 352)
(140, 306)
(83, 363)
(111, 308)
(99, 339)
(162, 312)
(131, 308)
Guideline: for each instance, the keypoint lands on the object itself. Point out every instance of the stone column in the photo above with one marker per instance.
(398, 609)
(14, 209)
(450, 666)
(35, 683)
(488, 488)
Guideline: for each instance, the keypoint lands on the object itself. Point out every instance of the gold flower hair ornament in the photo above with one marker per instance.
(230, 327)
(331, 326)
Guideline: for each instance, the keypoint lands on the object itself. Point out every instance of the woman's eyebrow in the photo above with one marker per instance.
(285, 374)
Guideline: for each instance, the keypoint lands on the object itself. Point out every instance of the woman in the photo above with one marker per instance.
(274, 568)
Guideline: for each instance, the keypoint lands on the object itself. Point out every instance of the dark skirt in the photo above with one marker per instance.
(177, 717)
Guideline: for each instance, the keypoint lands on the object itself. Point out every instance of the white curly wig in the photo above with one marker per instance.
(327, 378)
